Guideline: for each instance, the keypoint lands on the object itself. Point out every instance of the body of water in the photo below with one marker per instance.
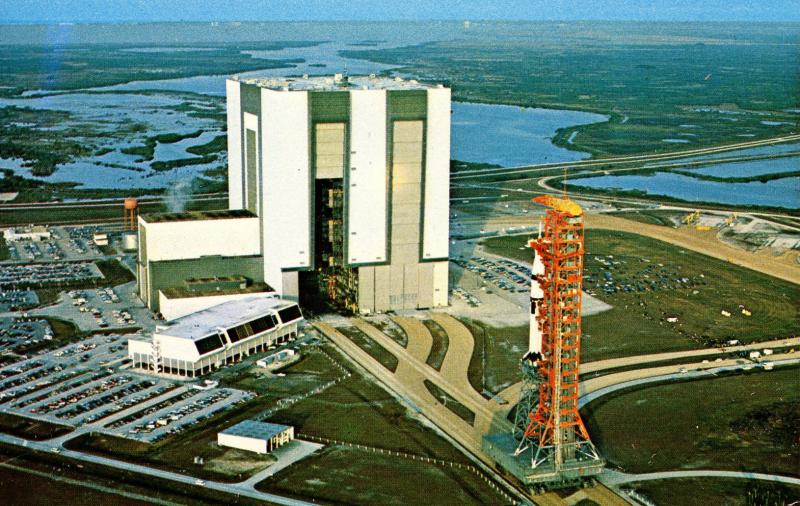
(751, 168)
(778, 193)
(511, 136)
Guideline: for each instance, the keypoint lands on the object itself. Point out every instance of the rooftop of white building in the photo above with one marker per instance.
(255, 429)
(226, 315)
(336, 82)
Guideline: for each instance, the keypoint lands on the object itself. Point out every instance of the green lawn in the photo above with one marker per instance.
(637, 322)
(739, 422)
(440, 343)
(375, 350)
(495, 363)
(29, 428)
(715, 491)
(348, 476)
(649, 216)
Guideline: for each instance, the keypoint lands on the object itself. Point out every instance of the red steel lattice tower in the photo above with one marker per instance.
(554, 434)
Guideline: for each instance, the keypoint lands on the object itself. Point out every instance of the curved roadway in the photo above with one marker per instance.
(613, 478)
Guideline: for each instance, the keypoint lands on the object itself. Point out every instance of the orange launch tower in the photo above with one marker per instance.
(551, 447)
(555, 434)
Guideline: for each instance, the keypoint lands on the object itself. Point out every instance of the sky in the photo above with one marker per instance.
(109, 11)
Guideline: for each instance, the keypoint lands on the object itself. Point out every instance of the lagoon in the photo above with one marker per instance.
(777, 193)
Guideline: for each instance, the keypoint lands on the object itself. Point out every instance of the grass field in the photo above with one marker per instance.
(495, 362)
(704, 84)
(346, 476)
(50, 491)
(69, 67)
(28, 428)
(45, 473)
(654, 272)
(740, 422)
(439, 344)
(4, 254)
(650, 216)
(357, 411)
(391, 329)
(715, 491)
(375, 350)
(450, 402)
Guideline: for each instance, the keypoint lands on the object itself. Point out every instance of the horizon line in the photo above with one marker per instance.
(400, 20)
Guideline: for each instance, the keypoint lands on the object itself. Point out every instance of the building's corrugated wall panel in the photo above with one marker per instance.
(435, 241)
(286, 180)
(367, 179)
(234, 112)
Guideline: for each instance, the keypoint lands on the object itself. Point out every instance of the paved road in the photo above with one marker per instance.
(613, 363)
(288, 454)
(420, 340)
(484, 415)
(455, 366)
(614, 478)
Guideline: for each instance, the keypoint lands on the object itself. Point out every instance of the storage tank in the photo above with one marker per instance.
(130, 241)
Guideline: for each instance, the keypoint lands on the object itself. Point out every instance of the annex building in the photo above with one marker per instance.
(205, 340)
(338, 191)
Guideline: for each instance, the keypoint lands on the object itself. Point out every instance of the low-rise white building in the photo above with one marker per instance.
(200, 342)
(253, 436)
(33, 233)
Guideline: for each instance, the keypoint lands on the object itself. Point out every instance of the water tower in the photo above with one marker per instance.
(131, 214)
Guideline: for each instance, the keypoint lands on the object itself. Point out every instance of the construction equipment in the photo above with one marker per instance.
(691, 218)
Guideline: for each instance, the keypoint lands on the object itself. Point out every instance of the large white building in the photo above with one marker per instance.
(340, 193)
(200, 342)
(350, 178)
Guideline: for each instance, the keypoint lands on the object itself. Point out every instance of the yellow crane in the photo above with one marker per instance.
(691, 218)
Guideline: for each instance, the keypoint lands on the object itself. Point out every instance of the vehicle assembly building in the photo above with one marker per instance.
(203, 341)
(338, 191)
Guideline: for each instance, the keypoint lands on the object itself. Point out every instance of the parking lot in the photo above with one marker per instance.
(15, 300)
(611, 274)
(500, 272)
(65, 243)
(37, 275)
(19, 334)
(88, 385)
(103, 308)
